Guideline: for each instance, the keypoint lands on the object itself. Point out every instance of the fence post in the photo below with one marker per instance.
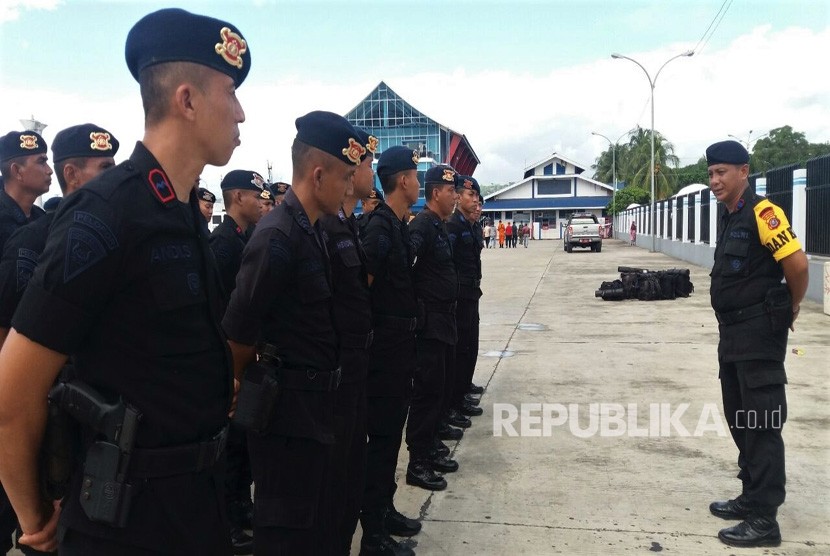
(799, 222)
(713, 221)
(698, 223)
(761, 186)
(684, 229)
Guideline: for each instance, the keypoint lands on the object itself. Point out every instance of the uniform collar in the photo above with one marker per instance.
(298, 211)
(234, 226)
(14, 209)
(153, 175)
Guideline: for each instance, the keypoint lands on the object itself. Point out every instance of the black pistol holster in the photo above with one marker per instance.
(258, 394)
(105, 493)
(778, 304)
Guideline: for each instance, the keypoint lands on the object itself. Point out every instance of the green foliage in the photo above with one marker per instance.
(783, 146)
(634, 163)
(693, 173)
(626, 196)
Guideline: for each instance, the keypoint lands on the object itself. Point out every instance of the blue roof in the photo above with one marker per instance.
(595, 202)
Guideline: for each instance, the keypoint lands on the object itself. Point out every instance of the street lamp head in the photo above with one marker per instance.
(689, 53)
(615, 55)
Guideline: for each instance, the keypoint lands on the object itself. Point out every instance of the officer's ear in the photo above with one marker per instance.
(743, 170)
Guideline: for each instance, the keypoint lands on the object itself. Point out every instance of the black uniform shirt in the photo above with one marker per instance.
(126, 284)
(351, 305)
(436, 282)
(465, 241)
(746, 267)
(283, 291)
(12, 216)
(389, 260)
(227, 242)
(18, 263)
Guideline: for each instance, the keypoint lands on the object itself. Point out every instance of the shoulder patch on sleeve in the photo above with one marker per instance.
(774, 230)
(88, 241)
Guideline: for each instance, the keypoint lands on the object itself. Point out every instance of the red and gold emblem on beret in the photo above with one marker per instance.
(258, 181)
(354, 151)
(768, 215)
(415, 158)
(265, 194)
(232, 47)
(373, 194)
(100, 141)
(449, 175)
(28, 142)
(468, 184)
(372, 145)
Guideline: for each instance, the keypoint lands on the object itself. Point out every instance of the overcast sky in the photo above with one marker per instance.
(520, 79)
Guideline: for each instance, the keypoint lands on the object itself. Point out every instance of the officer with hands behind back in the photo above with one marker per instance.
(756, 249)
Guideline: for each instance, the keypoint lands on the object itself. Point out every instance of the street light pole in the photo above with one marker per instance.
(651, 83)
(613, 146)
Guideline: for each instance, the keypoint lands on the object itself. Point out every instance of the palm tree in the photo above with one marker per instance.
(638, 163)
(603, 170)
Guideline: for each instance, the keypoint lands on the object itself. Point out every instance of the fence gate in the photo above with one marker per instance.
(818, 206)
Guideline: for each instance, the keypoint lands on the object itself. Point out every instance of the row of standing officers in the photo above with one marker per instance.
(317, 333)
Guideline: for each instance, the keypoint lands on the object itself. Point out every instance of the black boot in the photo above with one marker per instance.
(241, 542)
(420, 474)
(470, 410)
(446, 432)
(756, 530)
(472, 400)
(443, 464)
(440, 448)
(476, 389)
(398, 524)
(730, 509)
(383, 545)
(457, 420)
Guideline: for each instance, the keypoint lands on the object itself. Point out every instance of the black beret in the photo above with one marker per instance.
(397, 159)
(175, 35)
(332, 134)
(442, 174)
(467, 182)
(52, 204)
(726, 152)
(245, 179)
(85, 140)
(205, 195)
(15, 144)
(280, 188)
(375, 193)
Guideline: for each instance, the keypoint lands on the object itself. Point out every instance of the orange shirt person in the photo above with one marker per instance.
(501, 233)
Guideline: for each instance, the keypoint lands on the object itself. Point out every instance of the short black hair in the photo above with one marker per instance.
(430, 187)
(389, 183)
(6, 168)
(159, 81)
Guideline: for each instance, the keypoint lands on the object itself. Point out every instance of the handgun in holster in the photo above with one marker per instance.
(105, 493)
(258, 394)
(58, 451)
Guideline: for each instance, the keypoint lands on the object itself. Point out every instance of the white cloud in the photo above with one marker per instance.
(10, 9)
(761, 80)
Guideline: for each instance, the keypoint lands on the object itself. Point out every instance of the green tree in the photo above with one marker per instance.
(693, 173)
(782, 146)
(627, 195)
(638, 163)
(603, 167)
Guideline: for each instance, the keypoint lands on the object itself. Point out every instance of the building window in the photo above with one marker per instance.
(560, 169)
(553, 187)
(508, 215)
(548, 170)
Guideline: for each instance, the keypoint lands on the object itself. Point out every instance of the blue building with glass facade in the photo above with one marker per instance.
(394, 121)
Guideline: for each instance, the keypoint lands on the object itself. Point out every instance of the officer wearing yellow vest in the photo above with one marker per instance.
(756, 249)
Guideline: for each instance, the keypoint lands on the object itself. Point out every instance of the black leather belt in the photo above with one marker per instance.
(396, 323)
(149, 463)
(471, 282)
(741, 315)
(440, 307)
(357, 341)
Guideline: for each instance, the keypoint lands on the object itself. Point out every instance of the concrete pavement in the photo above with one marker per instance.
(585, 493)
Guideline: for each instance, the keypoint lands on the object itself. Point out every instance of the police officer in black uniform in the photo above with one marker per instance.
(465, 239)
(389, 256)
(206, 202)
(756, 249)
(242, 191)
(127, 286)
(436, 287)
(282, 308)
(279, 189)
(26, 175)
(353, 322)
(80, 153)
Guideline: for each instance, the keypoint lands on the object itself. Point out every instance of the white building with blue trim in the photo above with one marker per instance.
(549, 192)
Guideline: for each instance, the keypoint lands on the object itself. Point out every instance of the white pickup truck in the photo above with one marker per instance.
(582, 230)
